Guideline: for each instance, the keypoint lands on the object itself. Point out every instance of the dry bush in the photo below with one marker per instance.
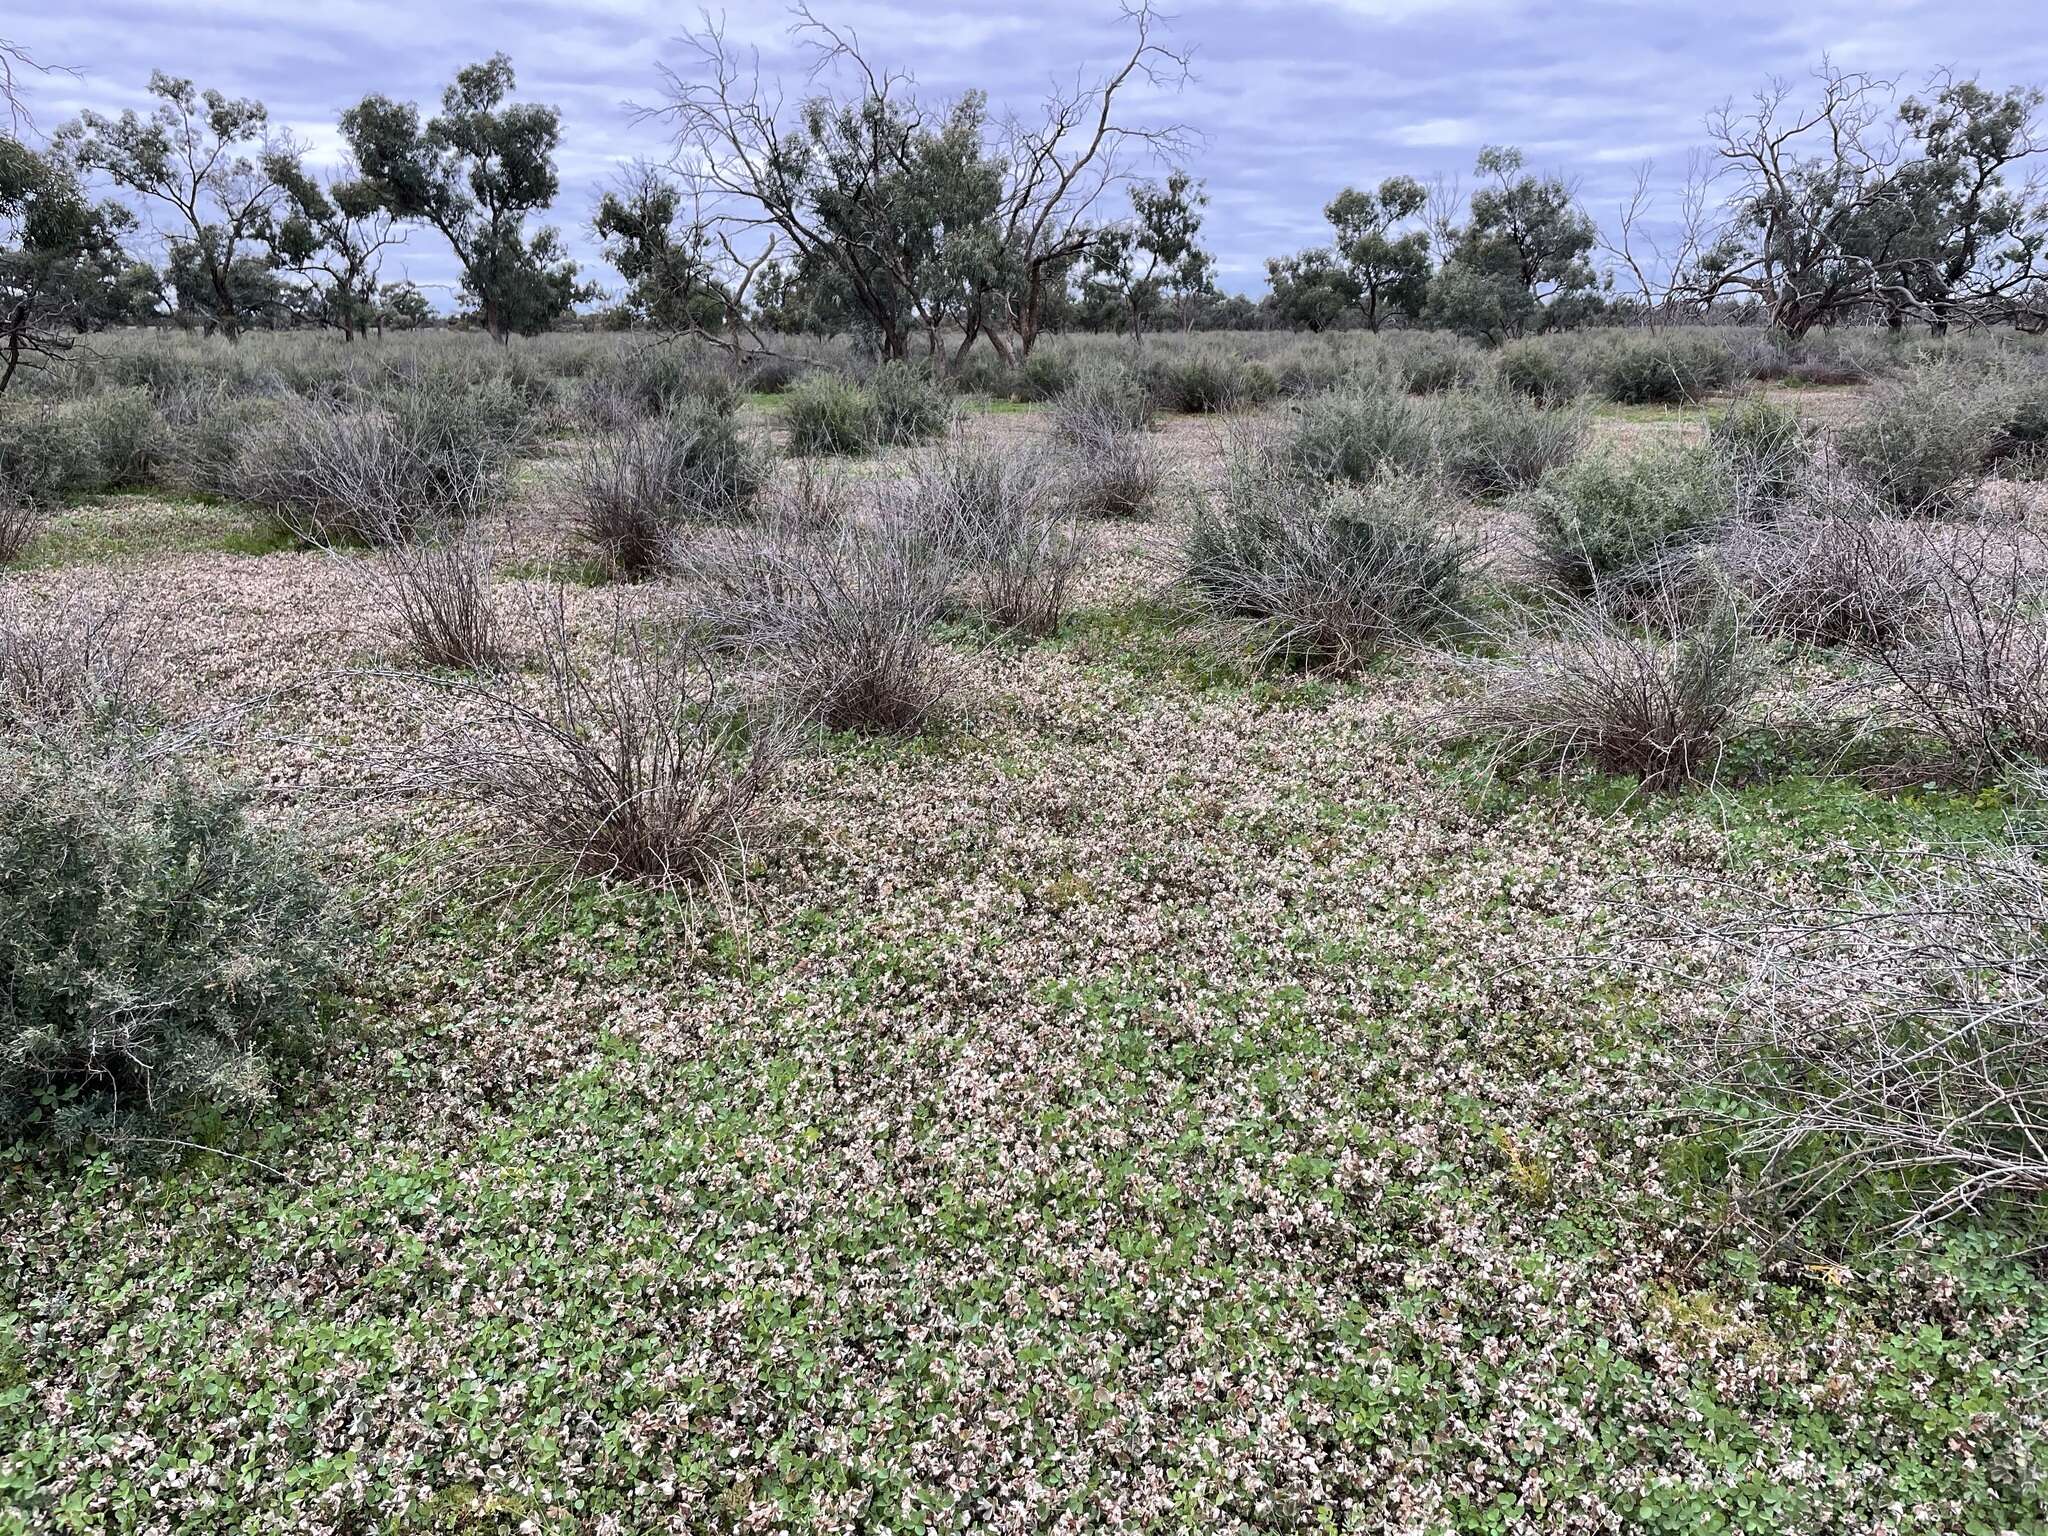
(20, 521)
(1103, 427)
(637, 486)
(1653, 702)
(1892, 1052)
(838, 617)
(1000, 517)
(1831, 576)
(1328, 576)
(73, 664)
(627, 765)
(1972, 673)
(440, 594)
(369, 476)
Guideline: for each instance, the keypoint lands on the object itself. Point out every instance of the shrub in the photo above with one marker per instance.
(20, 520)
(1972, 675)
(1327, 577)
(1671, 368)
(157, 953)
(333, 475)
(1354, 434)
(127, 435)
(1205, 381)
(1494, 442)
(1831, 577)
(206, 431)
(71, 665)
(1885, 1059)
(997, 514)
(1925, 441)
(827, 414)
(1608, 520)
(909, 407)
(46, 453)
(773, 375)
(1653, 704)
(1431, 363)
(440, 593)
(633, 769)
(841, 617)
(1106, 398)
(1537, 370)
(638, 484)
(1768, 451)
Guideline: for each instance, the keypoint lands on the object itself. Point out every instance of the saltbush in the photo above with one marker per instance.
(158, 953)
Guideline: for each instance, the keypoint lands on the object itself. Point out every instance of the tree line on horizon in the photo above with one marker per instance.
(928, 227)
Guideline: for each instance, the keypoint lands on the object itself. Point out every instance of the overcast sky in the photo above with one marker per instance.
(1292, 99)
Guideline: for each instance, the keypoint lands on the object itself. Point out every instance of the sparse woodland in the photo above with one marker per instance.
(921, 876)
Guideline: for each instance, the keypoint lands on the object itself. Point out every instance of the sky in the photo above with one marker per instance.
(1288, 101)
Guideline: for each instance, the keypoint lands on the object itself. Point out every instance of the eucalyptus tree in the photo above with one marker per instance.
(62, 267)
(916, 216)
(1520, 261)
(1842, 204)
(208, 162)
(1153, 259)
(474, 173)
(334, 236)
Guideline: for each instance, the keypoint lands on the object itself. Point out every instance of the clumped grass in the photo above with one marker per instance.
(1323, 576)
(439, 592)
(1494, 442)
(1768, 449)
(1611, 520)
(638, 484)
(128, 436)
(158, 954)
(1002, 518)
(1582, 686)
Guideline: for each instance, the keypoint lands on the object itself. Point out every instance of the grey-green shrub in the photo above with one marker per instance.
(1325, 575)
(1494, 442)
(157, 953)
(1353, 434)
(1664, 368)
(46, 453)
(1535, 368)
(1925, 441)
(127, 433)
(910, 407)
(1609, 519)
(828, 414)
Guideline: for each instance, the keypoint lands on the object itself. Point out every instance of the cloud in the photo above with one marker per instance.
(1292, 99)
